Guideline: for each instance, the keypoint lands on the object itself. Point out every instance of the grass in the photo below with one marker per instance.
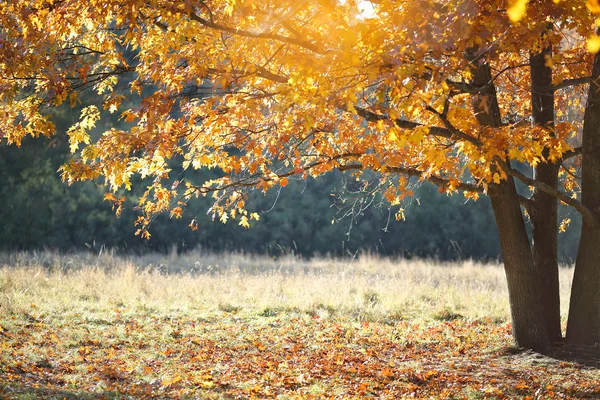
(237, 326)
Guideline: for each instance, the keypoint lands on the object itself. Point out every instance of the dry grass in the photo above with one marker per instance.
(367, 287)
(237, 326)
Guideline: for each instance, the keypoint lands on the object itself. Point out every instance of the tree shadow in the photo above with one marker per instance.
(584, 355)
(556, 358)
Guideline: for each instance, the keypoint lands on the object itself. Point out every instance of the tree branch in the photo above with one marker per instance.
(571, 153)
(585, 212)
(266, 74)
(248, 34)
(572, 82)
(449, 132)
(451, 128)
(415, 173)
(462, 87)
(374, 117)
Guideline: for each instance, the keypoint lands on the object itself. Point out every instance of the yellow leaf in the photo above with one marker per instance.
(244, 222)
(593, 44)
(563, 225)
(176, 212)
(400, 215)
(517, 10)
(224, 218)
(417, 135)
(229, 8)
(593, 6)
(310, 122)
(167, 381)
(109, 197)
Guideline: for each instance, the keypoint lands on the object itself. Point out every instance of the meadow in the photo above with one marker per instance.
(204, 325)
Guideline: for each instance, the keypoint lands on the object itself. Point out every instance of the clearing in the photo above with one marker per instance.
(234, 326)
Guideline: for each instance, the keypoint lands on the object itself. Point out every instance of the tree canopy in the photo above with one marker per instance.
(455, 92)
(271, 91)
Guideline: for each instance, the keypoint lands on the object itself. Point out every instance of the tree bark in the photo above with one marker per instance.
(544, 207)
(584, 310)
(529, 327)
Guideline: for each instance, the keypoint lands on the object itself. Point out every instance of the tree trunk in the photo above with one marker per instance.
(529, 327)
(544, 207)
(584, 311)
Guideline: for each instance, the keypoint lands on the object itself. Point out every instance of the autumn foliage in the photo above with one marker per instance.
(295, 89)
(462, 93)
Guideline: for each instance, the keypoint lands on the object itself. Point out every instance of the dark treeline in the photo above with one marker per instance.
(37, 211)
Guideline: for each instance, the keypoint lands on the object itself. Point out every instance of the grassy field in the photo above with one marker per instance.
(235, 326)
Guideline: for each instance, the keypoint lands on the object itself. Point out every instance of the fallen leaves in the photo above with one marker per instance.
(292, 354)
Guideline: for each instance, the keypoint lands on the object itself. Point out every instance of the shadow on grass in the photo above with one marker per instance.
(585, 356)
(558, 357)
(588, 356)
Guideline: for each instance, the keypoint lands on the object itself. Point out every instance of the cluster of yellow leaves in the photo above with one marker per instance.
(518, 10)
(79, 132)
(270, 91)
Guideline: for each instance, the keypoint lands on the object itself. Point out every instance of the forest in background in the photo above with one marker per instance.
(39, 211)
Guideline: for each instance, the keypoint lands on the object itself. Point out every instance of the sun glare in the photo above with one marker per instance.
(365, 9)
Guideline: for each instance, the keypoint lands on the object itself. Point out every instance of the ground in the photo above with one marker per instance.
(204, 326)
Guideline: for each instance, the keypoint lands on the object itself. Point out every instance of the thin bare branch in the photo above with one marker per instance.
(411, 172)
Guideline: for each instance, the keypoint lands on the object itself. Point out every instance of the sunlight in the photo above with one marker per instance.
(365, 9)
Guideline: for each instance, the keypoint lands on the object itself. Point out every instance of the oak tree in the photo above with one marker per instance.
(470, 95)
